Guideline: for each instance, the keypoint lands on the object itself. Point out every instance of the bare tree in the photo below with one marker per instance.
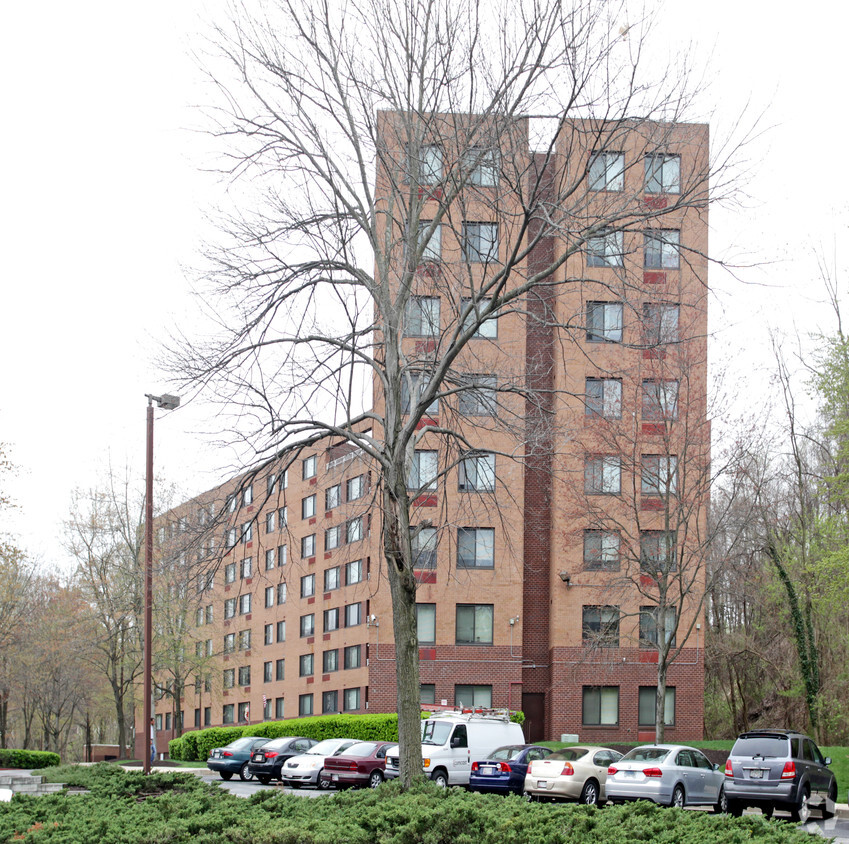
(365, 142)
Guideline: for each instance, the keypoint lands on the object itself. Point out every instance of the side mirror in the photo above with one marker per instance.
(827, 760)
(716, 766)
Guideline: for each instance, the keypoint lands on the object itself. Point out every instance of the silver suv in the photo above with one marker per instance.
(779, 769)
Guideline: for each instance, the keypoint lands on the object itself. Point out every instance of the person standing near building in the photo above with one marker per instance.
(152, 741)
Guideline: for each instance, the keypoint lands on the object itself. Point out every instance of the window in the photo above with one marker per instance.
(659, 475)
(305, 665)
(308, 586)
(330, 701)
(353, 615)
(245, 675)
(352, 657)
(228, 713)
(600, 705)
(230, 573)
(330, 661)
(332, 537)
(601, 550)
(304, 705)
(199, 650)
(661, 249)
(333, 497)
(600, 627)
(605, 249)
(308, 625)
(426, 623)
(660, 400)
(197, 717)
(232, 503)
(422, 317)
(248, 495)
(604, 398)
(482, 165)
(477, 472)
(207, 716)
(266, 709)
(269, 559)
(432, 250)
(474, 624)
(488, 328)
(355, 488)
(604, 322)
(231, 537)
(270, 594)
(281, 555)
(244, 640)
(424, 548)
(229, 607)
(209, 646)
(428, 166)
(414, 385)
(245, 568)
(278, 707)
(423, 471)
(268, 634)
(270, 483)
(657, 552)
(280, 669)
(475, 548)
(480, 242)
(331, 579)
(308, 507)
(660, 323)
(282, 518)
(427, 693)
(607, 171)
(308, 546)
(281, 631)
(353, 572)
(602, 474)
(209, 614)
(649, 627)
(247, 532)
(331, 619)
(478, 397)
(663, 173)
(244, 604)
(199, 616)
(648, 704)
(351, 699)
(354, 529)
(472, 696)
(308, 467)
(229, 678)
(229, 643)
(281, 593)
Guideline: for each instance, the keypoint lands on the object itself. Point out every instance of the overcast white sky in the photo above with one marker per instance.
(102, 205)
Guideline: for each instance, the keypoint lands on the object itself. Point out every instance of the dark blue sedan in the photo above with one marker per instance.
(234, 758)
(503, 771)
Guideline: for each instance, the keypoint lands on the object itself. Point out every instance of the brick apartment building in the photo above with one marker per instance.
(538, 565)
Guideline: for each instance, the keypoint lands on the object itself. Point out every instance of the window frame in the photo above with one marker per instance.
(422, 316)
(474, 610)
(476, 458)
(608, 403)
(607, 561)
(475, 246)
(599, 472)
(426, 612)
(609, 174)
(611, 329)
(606, 249)
(482, 538)
(655, 178)
(591, 691)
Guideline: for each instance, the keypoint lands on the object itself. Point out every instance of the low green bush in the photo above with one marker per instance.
(11, 758)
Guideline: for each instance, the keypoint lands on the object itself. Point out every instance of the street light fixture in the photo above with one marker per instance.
(165, 402)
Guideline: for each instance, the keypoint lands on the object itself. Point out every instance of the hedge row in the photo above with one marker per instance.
(27, 758)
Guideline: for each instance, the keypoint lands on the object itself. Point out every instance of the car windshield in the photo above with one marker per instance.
(363, 748)
(646, 754)
(568, 754)
(435, 732)
(510, 752)
(762, 746)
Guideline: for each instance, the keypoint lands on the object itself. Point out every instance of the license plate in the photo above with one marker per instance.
(629, 774)
(258, 757)
(488, 770)
(757, 774)
(542, 783)
(334, 777)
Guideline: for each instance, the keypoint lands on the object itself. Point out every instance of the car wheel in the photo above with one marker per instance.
(244, 774)
(263, 778)
(375, 779)
(589, 793)
(828, 808)
(721, 805)
(323, 781)
(440, 778)
(802, 810)
(735, 808)
(767, 811)
(225, 775)
(678, 799)
(293, 784)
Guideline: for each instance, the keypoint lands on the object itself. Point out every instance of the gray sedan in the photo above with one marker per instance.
(668, 774)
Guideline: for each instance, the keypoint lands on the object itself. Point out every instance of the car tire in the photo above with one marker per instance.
(293, 784)
(244, 774)
(225, 775)
(375, 779)
(735, 808)
(440, 778)
(721, 805)
(802, 810)
(323, 780)
(263, 778)
(679, 799)
(828, 808)
(589, 793)
(768, 811)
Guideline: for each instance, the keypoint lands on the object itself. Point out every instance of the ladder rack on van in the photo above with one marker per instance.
(466, 713)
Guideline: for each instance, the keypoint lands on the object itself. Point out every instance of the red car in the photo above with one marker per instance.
(360, 765)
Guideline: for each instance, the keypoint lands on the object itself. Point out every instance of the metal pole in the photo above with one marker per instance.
(148, 586)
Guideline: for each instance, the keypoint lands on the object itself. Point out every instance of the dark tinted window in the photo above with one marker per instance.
(685, 759)
(761, 746)
(569, 754)
(701, 760)
(509, 752)
(796, 748)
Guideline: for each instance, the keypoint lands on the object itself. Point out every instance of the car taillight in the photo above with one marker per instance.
(652, 772)
(475, 766)
(504, 767)
(789, 771)
(729, 771)
(612, 770)
(226, 753)
(352, 766)
(568, 770)
(270, 754)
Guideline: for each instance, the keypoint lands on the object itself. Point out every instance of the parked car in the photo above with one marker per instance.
(361, 764)
(503, 771)
(308, 768)
(233, 758)
(669, 774)
(266, 762)
(573, 773)
(779, 769)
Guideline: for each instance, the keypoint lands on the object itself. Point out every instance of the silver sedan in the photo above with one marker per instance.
(668, 774)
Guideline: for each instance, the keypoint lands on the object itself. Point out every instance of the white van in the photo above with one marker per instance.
(451, 741)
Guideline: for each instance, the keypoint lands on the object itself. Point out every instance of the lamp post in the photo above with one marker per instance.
(165, 402)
